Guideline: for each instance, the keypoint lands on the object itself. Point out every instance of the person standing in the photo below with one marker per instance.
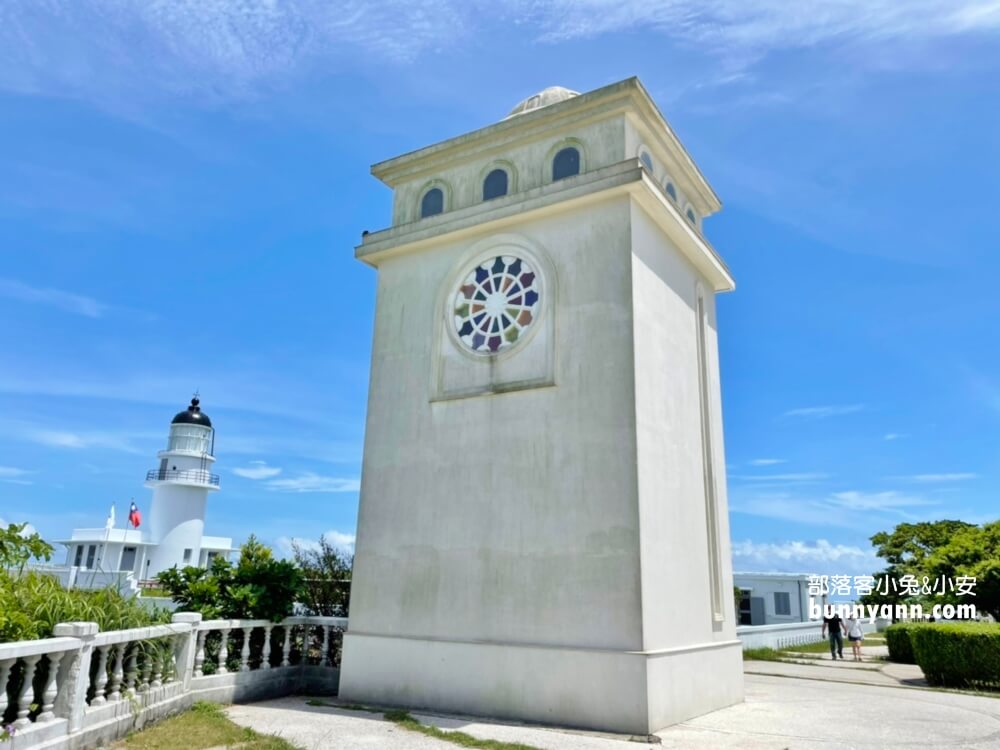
(855, 635)
(835, 626)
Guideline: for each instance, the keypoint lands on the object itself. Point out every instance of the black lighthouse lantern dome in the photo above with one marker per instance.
(193, 415)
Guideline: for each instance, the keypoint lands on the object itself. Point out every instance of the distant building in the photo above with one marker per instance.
(772, 598)
(176, 519)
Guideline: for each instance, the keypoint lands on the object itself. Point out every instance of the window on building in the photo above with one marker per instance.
(432, 203)
(495, 184)
(782, 603)
(647, 161)
(187, 555)
(91, 554)
(566, 163)
(672, 191)
(691, 216)
(79, 555)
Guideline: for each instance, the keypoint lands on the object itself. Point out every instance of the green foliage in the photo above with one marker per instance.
(898, 638)
(256, 587)
(33, 603)
(972, 552)
(941, 549)
(17, 547)
(327, 578)
(959, 655)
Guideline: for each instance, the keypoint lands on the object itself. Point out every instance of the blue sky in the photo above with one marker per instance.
(183, 183)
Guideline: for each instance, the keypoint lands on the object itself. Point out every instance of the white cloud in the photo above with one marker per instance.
(257, 470)
(227, 47)
(822, 412)
(9, 472)
(768, 461)
(311, 482)
(953, 477)
(338, 539)
(792, 477)
(804, 557)
(65, 301)
(884, 501)
(848, 509)
(80, 440)
(893, 436)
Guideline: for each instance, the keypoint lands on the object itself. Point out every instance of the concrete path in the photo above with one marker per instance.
(865, 673)
(780, 713)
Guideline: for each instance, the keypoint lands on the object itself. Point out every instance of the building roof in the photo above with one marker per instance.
(192, 415)
(545, 97)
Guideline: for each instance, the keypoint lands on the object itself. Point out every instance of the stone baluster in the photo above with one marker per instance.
(117, 673)
(51, 689)
(287, 648)
(223, 651)
(265, 659)
(199, 654)
(25, 699)
(147, 665)
(325, 660)
(101, 679)
(131, 669)
(175, 646)
(245, 650)
(5, 666)
(158, 659)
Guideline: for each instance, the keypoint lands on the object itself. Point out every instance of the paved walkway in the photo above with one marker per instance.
(783, 710)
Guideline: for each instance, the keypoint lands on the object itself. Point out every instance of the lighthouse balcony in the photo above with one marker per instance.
(195, 477)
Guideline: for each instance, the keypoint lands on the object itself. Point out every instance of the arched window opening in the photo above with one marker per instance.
(566, 164)
(495, 184)
(691, 216)
(432, 203)
(647, 161)
(672, 191)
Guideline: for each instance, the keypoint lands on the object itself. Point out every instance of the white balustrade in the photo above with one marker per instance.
(147, 666)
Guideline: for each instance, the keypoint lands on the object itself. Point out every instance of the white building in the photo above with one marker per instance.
(772, 598)
(543, 530)
(176, 518)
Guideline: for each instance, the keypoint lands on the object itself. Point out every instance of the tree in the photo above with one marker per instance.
(327, 578)
(256, 587)
(17, 547)
(935, 550)
(973, 552)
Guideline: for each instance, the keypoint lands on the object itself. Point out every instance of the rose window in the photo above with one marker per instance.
(496, 303)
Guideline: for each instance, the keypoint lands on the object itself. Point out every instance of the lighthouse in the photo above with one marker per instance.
(181, 484)
(172, 532)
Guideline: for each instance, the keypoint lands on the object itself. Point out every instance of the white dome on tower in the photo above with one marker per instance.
(545, 97)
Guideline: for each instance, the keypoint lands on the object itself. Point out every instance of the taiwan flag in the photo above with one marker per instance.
(134, 517)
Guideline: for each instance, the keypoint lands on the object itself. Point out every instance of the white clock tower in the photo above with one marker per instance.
(543, 530)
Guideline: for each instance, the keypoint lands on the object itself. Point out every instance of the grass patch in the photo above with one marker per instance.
(404, 720)
(762, 654)
(204, 725)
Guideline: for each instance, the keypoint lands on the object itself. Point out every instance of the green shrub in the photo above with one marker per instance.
(256, 587)
(958, 654)
(897, 638)
(33, 603)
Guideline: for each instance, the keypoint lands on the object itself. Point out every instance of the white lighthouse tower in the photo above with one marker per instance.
(173, 533)
(180, 487)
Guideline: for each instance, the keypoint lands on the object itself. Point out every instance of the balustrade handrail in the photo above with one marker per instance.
(17, 649)
(147, 633)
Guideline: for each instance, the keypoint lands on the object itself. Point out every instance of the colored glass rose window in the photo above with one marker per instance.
(496, 303)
